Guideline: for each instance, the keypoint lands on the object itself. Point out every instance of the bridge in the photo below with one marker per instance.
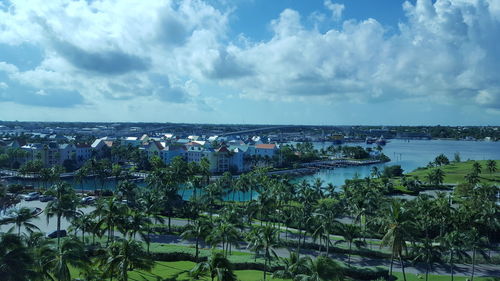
(263, 129)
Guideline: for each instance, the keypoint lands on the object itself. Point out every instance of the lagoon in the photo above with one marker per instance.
(410, 155)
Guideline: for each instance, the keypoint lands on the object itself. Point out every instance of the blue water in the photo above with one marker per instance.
(411, 155)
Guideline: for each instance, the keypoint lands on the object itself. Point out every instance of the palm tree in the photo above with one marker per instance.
(111, 213)
(491, 165)
(80, 175)
(396, 225)
(63, 206)
(82, 222)
(472, 178)
(425, 251)
(23, 217)
(57, 261)
(123, 256)
(320, 269)
(375, 172)
(197, 230)
(454, 241)
(225, 233)
(350, 232)
(266, 239)
(150, 204)
(477, 243)
(292, 266)
(476, 167)
(16, 261)
(217, 265)
(438, 176)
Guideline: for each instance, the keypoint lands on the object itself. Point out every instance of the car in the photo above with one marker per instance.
(88, 200)
(32, 196)
(46, 198)
(55, 234)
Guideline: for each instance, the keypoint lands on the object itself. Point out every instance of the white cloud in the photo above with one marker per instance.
(133, 51)
(446, 52)
(335, 8)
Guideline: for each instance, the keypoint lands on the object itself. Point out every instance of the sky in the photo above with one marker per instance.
(315, 62)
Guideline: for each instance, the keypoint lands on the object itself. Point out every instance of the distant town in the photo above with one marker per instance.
(224, 148)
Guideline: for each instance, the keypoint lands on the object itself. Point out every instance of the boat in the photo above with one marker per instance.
(370, 140)
(381, 141)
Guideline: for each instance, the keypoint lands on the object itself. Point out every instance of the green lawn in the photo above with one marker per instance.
(421, 277)
(164, 270)
(455, 172)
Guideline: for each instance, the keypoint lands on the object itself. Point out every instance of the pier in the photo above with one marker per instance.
(339, 163)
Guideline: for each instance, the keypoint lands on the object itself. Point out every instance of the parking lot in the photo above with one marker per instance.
(41, 221)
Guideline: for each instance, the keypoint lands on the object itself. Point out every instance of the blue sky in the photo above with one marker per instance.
(326, 62)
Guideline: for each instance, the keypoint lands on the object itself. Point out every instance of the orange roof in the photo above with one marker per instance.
(266, 146)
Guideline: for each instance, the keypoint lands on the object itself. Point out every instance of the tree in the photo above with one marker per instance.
(16, 261)
(266, 239)
(63, 206)
(441, 159)
(375, 172)
(82, 222)
(396, 225)
(217, 266)
(224, 232)
(454, 242)
(477, 243)
(23, 217)
(491, 165)
(150, 204)
(292, 266)
(425, 251)
(199, 229)
(57, 260)
(111, 213)
(438, 176)
(320, 269)
(472, 178)
(349, 233)
(126, 255)
(476, 168)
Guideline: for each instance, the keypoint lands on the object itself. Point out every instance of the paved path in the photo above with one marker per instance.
(485, 270)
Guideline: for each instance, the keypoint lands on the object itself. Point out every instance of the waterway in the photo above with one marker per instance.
(410, 155)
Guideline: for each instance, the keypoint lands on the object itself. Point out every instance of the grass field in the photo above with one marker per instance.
(178, 270)
(455, 172)
(421, 277)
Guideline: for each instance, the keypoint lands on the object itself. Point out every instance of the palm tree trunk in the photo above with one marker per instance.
(402, 266)
(349, 254)
(392, 261)
(197, 248)
(265, 267)
(473, 263)
(58, 230)
(427, 272)
(451, 264)
(327, 241)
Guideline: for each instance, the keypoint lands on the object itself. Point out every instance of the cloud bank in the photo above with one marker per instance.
(180, 53)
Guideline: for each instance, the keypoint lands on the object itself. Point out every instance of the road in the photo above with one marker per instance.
(485, 270)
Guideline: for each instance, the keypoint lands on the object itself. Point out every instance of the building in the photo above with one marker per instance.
(266, 149)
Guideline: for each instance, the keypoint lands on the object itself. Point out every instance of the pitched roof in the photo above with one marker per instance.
(266, 146)
(222, 149)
